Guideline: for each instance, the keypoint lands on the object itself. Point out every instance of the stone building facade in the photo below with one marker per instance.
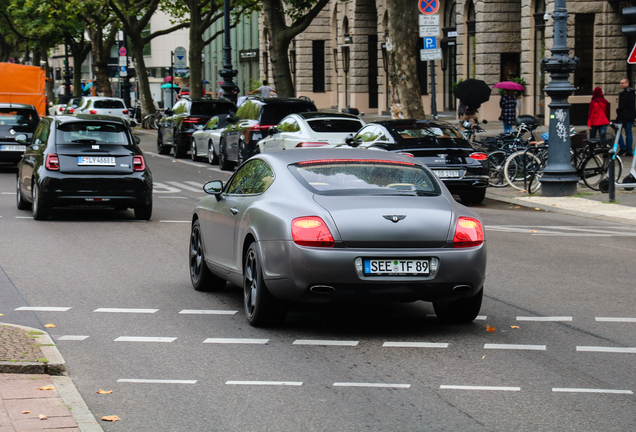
(339, 58)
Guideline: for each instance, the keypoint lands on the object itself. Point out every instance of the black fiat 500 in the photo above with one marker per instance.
(15, 119)
(83, 161)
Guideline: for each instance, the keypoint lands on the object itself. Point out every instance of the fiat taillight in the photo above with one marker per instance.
(311, 231)
(92, 111)
(52, 162)
(468, 233)
(125, 111)
(138, 163)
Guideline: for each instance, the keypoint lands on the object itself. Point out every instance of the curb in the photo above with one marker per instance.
(55, 366)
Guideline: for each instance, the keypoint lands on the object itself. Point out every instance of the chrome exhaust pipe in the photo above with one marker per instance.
(322, 289)
(462, 289)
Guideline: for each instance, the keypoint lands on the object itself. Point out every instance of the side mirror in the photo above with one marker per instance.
(21, 139)
(168, 111)
(230, 118)
(137, 139)
(214, 187)
(350, 141)
(272, 131)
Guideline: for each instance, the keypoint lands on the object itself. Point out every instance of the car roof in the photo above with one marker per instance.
(277, 100)
(326, 114)
(16, 105)
(298, 155)
(202, 99)
(390, 124)
(70, 118)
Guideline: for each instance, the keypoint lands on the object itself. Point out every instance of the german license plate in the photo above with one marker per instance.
(95, 161)
(376, 267)
(12, 147)
(447, 173)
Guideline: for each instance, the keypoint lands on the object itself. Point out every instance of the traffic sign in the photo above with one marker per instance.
(180, 57)
(428, 7)
(430, 54)
(123, 72)
(430, 43)
(427, 31)
(123, 61)
(122, 51)
(632, 56)
(429, 20)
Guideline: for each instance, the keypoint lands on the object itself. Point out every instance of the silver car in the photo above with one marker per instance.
(335, 224)
(205, 140)
(105, 106)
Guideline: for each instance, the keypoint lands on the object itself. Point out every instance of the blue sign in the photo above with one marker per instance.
(430, 42)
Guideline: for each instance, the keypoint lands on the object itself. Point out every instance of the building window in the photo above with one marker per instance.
(148, 47)
(510, 64)
(584, 50)
(472, 42)
(318, 65)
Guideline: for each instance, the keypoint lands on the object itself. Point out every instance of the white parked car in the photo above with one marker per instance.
(105, 106)
(310, 129)
(205, 140)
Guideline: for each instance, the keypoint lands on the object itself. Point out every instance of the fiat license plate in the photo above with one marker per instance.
(95, 161)
(447, 173)
(12, 147)
(377, 267)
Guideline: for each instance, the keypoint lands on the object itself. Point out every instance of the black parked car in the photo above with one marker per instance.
(253, 118)
(460, 164)
(178, 123)
(15, 119)
(83, 161)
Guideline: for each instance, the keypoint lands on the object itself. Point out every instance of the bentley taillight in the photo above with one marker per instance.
(468, 233)
(479, 156)
(311, 231)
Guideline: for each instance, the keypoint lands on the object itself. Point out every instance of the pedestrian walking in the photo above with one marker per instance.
(508, 105)
(598, 116)
(625, 115)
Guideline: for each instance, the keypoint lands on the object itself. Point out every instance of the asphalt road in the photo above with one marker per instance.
(559, 299)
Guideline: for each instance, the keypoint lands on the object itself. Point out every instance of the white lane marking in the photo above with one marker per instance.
(144, 339)
(24, 217)
(207, 312)
(9, 193)
(72, 337)
(544, 318)
(126, 310)
(613, 319)
(378, 385)
(585, 390)
(481, 317)
(184, 186)
(236, 341)
(273, 383)
(172, 197)
(196, 184)
(325, 342)
(465, 387)
(606, 349)
(571, 234)
(550, 230)
(415, 344)
(155, 381)
(163, 188)
(175, 221)
(515, 347)
(42, 309)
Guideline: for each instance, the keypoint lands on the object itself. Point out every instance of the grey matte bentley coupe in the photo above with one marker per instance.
(334, 224)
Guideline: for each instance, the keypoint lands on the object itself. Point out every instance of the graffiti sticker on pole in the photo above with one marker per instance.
(428, 7)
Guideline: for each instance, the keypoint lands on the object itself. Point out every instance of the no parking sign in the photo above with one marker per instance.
(428, 7)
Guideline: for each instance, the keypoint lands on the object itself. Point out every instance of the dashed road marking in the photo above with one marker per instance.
(175, 221)
(466, 387)
(606, 349)
(72, 338)
(586, 390)
(615, 319)
(42, 309)
(155, 381)
(272, 383)
(185, 186)
(515, 347)
(144, 339)
(9, 193)
(207, 312)
(544, 318)
(24, 217)
(172, 197)
(325, 342)
(236, 341)
(126, 310)
(378, 385)
(415, 344)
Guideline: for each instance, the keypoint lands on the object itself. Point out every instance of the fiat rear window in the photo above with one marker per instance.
(86, 132)
(366, 177)
(108, 104)
(334, 125)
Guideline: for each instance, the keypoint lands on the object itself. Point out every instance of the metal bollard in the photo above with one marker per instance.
(610, 171)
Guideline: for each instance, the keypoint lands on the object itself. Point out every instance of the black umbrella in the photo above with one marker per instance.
(472, 92)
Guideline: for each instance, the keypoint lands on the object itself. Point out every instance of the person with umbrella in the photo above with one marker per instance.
(471, 94)
(508, 103)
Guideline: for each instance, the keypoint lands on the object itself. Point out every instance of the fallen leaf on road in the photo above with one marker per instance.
(43, 417)
(1, 314)
(49, 325)
(514, 327)
(553, 205)
(46, 388)
(518, 207)
(26, 412)
(100, 391)
(537, 208)
(533, 230)
(490, 329)
(111, 418)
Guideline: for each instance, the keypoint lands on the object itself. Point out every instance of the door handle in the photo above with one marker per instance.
(234, 211)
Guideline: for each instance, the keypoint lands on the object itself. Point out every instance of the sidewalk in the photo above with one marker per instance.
(35, 393)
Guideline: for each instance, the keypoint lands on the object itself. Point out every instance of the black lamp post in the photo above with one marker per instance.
(559, 177)
(227, 73)
(67, 72)
(345, 67)
(385, 65)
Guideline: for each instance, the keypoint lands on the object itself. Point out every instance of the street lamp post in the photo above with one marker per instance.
(227, 73)
(559, 177)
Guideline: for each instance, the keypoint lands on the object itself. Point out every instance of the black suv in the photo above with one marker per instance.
(178, 123)
(253, 118)
(15, 119)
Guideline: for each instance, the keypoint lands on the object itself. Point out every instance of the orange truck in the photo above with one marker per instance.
(23, 84)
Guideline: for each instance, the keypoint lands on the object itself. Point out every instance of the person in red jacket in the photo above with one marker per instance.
(598, 115)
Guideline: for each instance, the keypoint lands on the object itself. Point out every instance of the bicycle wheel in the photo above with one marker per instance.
(595, 168)
(519, 167)
(497, 160)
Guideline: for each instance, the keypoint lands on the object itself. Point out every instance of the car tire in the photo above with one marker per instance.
(459, 311)
(261, 308)
(22, 204)
(213, 159)
(179, 150)
(161, 149)
(193, 150)
(200, 275)
(143, 212)
(223, 162)
(40, 211)
(475, 196)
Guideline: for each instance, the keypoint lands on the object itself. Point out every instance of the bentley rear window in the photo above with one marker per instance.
(365, 177)
(425, 131)
(87, 132)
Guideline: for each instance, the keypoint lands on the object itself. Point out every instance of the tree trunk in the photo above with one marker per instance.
(196, 49)
(283, 82)
(101, 53)
(145, 96)
(403, 26)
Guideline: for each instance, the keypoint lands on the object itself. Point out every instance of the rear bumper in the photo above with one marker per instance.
(468, 183)
(12, 157)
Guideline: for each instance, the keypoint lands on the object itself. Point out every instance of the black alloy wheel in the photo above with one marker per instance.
(22, 203)
(223, 162)
(40, 211)
(200, 275)
(213, 159)
(459, 311)
(143, 212)
(161, 149)
(261, 308)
